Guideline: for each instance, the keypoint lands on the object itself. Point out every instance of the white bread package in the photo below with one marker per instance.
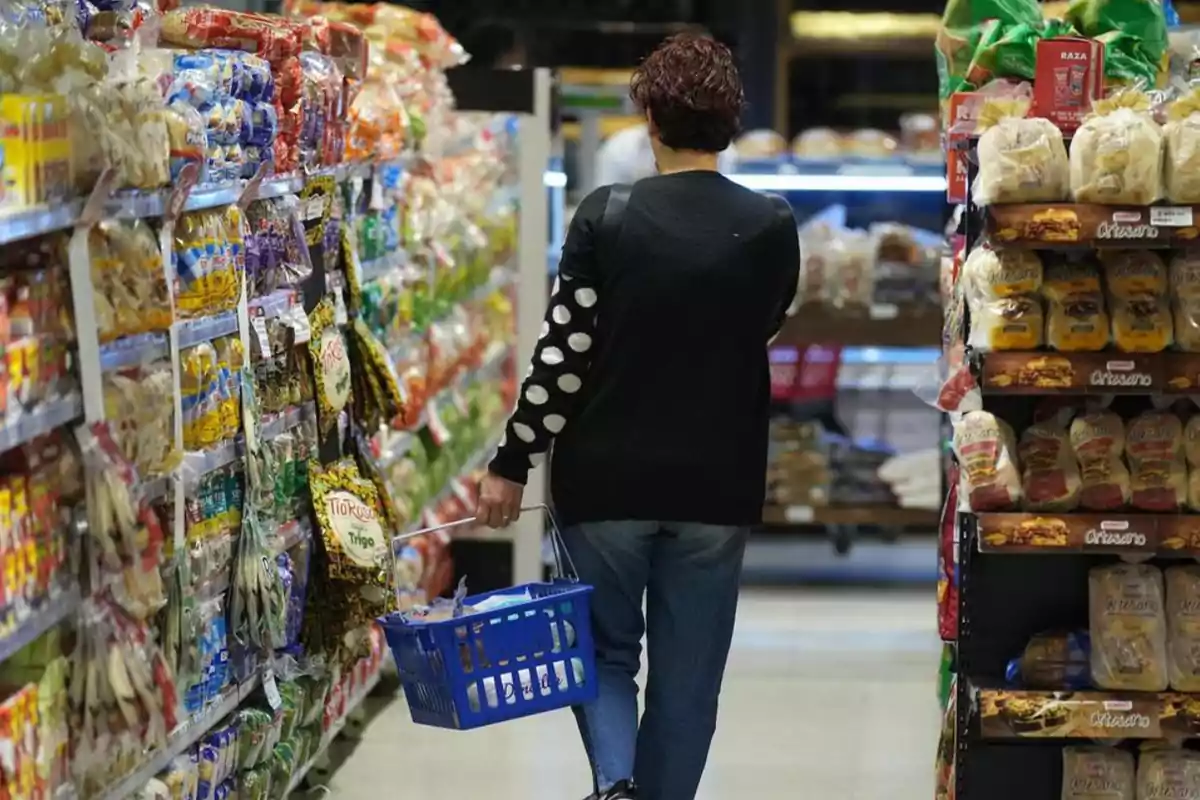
(1191, 452)
(1049, 472)
(1167, 772)
(1116, 155)
(1157, 468)
(1133, 273)
(1098, 439)
(1181, 135)
(1142, 324)
(1021, 159)
(1128, 627)
(1077, 317)
(1001, 290)
(1097, 773)
(987, 451)
(1184, 281)
(1003, 273)
(1183, 627)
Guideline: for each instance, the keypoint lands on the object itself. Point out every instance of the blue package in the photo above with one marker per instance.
(1053, 660)
(262, 124)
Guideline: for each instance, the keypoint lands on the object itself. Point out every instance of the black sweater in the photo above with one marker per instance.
(651, 375)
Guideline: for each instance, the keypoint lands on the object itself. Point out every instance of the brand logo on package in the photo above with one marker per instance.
(1126, 225)
(1114, 533)
(1120, 375)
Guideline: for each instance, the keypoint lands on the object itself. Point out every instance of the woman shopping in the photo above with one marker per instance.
(651, 381)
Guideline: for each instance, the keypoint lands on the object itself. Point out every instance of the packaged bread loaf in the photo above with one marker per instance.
(1157, 469)
(1181, 136)
(1133, 273)
(1076, 315)
(986, 448)
(1184, 280)
(1128, 627)
(1003, 273)
(1167, 773)
(1116, 155)
(1142, 324)
(1021, 159)
(1097, 773)
(1191, 452)
(1001, 286)
(1098, 439)
(1183, 627)
(1049, 472)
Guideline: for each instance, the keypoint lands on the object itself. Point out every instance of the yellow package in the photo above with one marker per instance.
(1077, 323)
(1128, 273)
(1009, 323)
(1142, 324)
(1183, 275)
(1003, 273)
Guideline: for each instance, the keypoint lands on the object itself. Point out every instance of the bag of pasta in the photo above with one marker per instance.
(1128, 628)
(1076, 315)
(1116, 155)
(1181, 135)
(1021, 159)
(1183, 627)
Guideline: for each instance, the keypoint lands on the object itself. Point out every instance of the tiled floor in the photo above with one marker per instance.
(829, 695)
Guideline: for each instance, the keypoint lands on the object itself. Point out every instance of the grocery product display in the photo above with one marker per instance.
(257, 320)
(1070, 380)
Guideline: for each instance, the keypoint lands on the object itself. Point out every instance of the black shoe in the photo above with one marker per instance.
(622, 791)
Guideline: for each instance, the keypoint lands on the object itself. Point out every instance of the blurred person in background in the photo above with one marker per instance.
(673, 285)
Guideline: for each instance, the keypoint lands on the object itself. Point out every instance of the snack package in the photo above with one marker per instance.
(1133, 273)
(1184, 281)
(1183, 627)
(1157, 468)
(1165, 771)
(1116, 155)
(331, 366)
(1181, 137)
(1001, 287)
(1021, 159)
(986, 448)
(1076, 316)
(1053, 660)
(1050, 478)
(1098, 439)
(1128, 627)
(1097, 773)
(1191, 451)
(1137, 288)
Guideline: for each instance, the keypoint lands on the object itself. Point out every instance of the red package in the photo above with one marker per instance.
(947, 584)
(289, 81)
(350, 49)
(317, 35)
(1069, 76)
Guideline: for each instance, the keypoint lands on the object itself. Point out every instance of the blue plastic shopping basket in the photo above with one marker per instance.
(489, 667)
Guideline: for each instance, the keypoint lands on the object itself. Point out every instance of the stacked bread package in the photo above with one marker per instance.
(1002, 295)
(1098, 439)
(986, 449)
(1191, 452)
(1167, 772)
(1183, 620)
(1181, 137)
(1116, 155)
(1158, 478)
(1097, 773)
(1049, 472)
(1184, 278)
(1128, 628)
(1021, 159)
(1137, 290)
(1076, 316)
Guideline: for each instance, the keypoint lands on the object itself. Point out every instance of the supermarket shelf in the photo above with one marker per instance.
(291, 533)
(157, 489)
(274, 304)
(334, 731)
(133, 351)
(24, 223)
(46, 616)
(1080, 225)
(197, 331)
(41, 420)
(879, 325)
(1037, 372)
(197, 463)
(282, 423)
(861, 515)
(1036, 714)
(1101, 533)
(180, 740)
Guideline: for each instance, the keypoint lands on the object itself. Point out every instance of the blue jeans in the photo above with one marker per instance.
(688, 574)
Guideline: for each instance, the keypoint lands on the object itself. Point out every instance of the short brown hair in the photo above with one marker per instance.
(691, 89)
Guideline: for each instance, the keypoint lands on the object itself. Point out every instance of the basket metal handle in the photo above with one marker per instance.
(562, 557)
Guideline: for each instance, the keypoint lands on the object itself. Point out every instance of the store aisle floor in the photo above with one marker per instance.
(829, 694)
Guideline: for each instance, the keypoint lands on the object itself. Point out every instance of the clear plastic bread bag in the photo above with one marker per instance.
(987, 450)
(1128, 627)
(1191, 452)
(1050, 478)
(1098, 439)
(1181, 134)
(1183, 627)
(1116, 155)
(1165, 771)
(1001, 291)
(1184, 281)
(1097, 773)
(1021, 159)
(1157, 468)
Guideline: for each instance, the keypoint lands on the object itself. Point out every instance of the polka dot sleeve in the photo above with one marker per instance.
(562, 356)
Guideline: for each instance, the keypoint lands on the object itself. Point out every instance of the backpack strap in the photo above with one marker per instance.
(614, 215)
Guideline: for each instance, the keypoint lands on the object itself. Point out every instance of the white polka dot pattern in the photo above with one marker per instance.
(545, 330)
(552, 356)
(585, 297)
(537, 459)
(524, 432)
(554, 422)
(561, 314)
(579, 342)
(570, 383)
(537, 395)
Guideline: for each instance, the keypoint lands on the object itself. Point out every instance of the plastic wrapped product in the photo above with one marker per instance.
(1077, 318)
(1183, 621)
(1116, 155)
(1128, 627)
(1021, 159)
(1053, 660)
(817, 143)
(1097, 773)
(760, 144)
(1165, 771)
(1181, 134)
(987, 448)
(1142, 324)
(1010, 323)
(1049, 472)
(1003, 273)
(1098, 439)
(1191, 451)
(1157, 468)
(1134, 273)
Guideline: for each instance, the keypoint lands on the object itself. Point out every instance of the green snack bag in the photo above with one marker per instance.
(1134, 33)
(970, 30)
